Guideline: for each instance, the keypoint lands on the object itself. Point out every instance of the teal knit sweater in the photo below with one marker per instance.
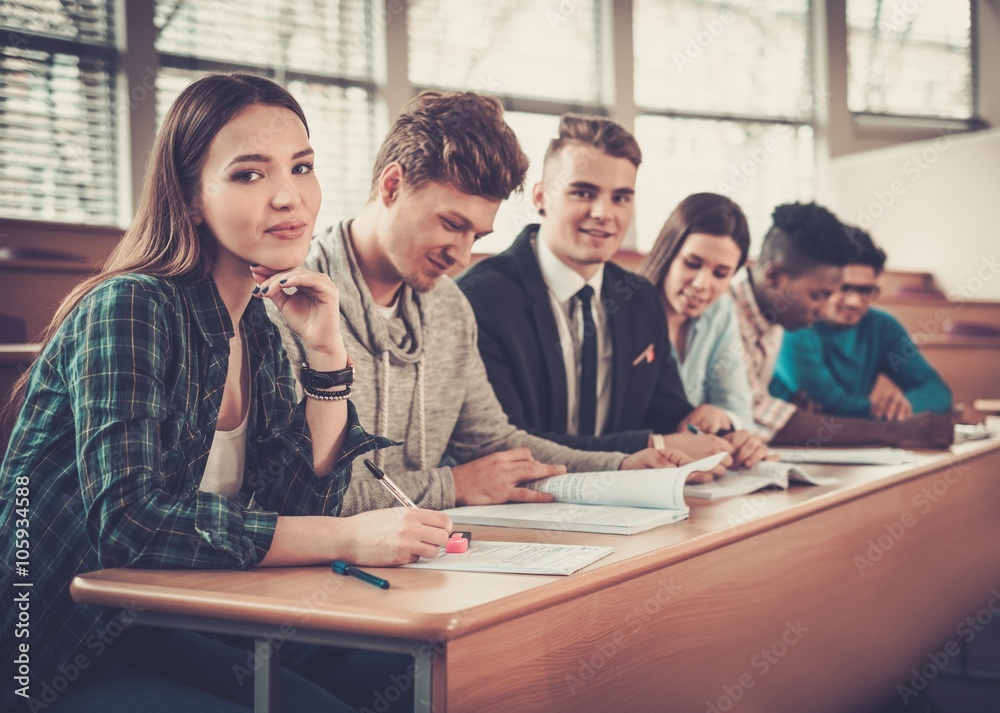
(837, 367)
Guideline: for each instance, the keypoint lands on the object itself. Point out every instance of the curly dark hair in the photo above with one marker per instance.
(866, 252)
(804, 235)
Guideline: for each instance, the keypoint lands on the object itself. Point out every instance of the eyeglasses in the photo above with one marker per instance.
(865, 291)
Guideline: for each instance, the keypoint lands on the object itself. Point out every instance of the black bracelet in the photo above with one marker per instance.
(327, 395)
(312, 379)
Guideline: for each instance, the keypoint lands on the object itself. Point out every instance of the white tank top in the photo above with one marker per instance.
(224, 470)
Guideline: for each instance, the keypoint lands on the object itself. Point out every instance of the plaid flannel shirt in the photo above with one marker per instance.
(761, 345)
(111, 444)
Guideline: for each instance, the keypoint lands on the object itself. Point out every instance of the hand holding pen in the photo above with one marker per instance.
(389, 485)
(390, 536)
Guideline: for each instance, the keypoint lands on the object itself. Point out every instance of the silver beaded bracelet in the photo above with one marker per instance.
(324, 396)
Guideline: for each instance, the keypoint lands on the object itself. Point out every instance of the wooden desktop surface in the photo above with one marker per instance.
(759, 599)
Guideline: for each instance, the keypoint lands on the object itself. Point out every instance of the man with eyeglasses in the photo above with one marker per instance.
(837, 362)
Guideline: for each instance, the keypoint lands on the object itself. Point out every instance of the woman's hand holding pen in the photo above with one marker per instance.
(380, 538)
(392, 536)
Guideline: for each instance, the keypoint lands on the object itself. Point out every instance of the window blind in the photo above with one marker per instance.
(58, 140)
(320, 51)
(748, 59)
(323, 37)
(527, 48)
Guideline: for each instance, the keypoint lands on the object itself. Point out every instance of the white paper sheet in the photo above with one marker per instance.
(516, 558)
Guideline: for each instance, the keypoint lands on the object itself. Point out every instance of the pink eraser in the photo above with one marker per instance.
(456, 544)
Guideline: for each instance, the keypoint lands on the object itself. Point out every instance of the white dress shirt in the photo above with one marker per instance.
(563, 282)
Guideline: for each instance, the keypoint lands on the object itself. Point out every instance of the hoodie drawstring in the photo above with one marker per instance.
(382, 411)
(421, 416)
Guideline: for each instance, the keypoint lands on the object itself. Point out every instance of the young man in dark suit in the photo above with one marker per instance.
(576, 347)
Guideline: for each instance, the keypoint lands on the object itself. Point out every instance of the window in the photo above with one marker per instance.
(749, 59)
(58, 112)
(320, 51)
(534, 131)
(911, 58)
(757, 164)
(714, 83)
(543, 58)
(725, 105)
(510, 48)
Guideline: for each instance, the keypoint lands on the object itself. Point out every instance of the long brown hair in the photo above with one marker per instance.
(163, 241)
(698, 213)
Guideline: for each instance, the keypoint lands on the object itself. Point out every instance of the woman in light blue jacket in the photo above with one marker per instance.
(701, 246)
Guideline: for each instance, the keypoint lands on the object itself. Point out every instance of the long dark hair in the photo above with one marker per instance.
(698, 213)
(163, 241)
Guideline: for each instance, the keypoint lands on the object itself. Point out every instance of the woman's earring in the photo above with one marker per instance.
(541, 211)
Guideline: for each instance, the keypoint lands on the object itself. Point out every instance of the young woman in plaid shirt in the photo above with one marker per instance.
(141, 443)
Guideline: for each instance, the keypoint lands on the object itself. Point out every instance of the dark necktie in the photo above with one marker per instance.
(588, 366)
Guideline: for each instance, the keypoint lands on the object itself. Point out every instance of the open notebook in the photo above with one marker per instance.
(618, 501)
(766, 474)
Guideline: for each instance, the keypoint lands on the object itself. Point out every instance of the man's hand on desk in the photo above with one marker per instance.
(672, 458)
(888, 402)
(495, 478)
(748, 450)
(391, 536)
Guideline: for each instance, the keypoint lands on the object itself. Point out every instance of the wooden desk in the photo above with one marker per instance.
(760, 598)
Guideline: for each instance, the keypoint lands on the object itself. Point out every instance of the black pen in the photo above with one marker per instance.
(389, 485)
(341, 567)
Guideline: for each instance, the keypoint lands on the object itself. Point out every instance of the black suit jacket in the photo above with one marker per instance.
(519, 343)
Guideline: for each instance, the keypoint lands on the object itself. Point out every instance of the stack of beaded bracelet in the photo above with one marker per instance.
(328, 395)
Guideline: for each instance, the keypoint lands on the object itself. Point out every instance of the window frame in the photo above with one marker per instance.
(109, 52)
(877, 121)
(134, 54)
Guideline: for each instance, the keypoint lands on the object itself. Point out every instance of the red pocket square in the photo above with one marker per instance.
(648, 355)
